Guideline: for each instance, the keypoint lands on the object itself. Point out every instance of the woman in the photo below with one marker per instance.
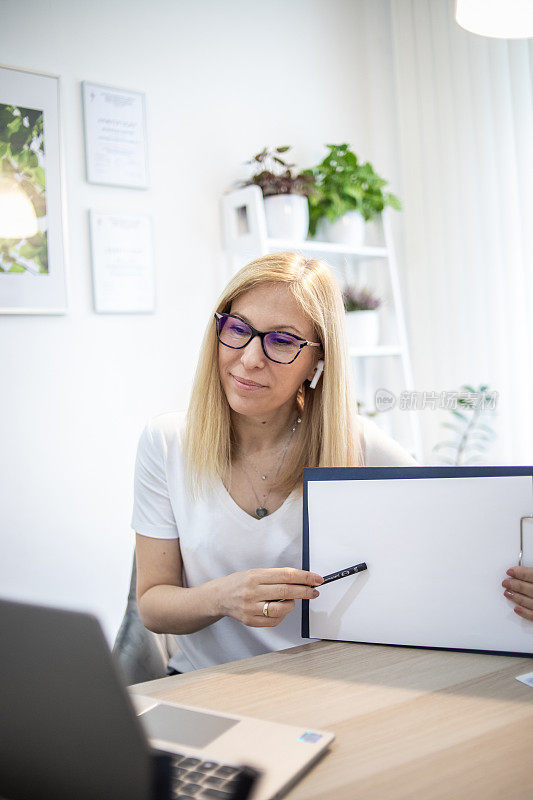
(218, 505)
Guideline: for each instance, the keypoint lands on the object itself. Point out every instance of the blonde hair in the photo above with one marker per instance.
(330, 432)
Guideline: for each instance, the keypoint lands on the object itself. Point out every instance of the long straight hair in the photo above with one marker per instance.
(330, 431)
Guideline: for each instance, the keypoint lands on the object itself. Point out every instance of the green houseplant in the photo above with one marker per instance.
(471, 433)
(348, 192)
(285, 193)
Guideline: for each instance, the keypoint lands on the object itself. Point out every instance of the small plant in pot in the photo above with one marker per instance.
(347, 193)
(472, 434)
(362, 318)
(285, 193)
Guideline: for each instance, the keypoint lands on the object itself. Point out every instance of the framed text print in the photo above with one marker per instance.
(123, 263)
(115, 136)
(32, 265)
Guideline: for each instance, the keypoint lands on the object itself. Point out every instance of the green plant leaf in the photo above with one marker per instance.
(6, 116)
(481, 426)
(451, 426)
(27, 251)
(479, 437)
(14, 126)
(393, 202)
(352, 190)
(459, 415)
(39, 175)
(350, 160)
(38, 240)
(476, 446)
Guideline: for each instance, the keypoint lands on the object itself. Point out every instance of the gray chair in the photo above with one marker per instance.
(141, 655)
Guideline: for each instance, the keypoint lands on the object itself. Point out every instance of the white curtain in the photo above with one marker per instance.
(464, 144)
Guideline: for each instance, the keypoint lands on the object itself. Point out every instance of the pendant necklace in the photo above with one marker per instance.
(261, 510)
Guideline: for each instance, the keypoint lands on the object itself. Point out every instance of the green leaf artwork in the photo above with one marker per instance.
(22, 160)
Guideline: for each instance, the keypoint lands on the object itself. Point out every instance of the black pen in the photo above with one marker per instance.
(343, 573)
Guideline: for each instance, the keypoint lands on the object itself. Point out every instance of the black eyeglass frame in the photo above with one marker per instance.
(262, 334)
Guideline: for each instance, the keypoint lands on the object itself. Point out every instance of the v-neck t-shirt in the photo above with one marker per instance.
(217, 537)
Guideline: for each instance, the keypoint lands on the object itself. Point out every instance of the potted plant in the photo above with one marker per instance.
(284, 194)
(346, 194)
(362, 318)
(471, 434)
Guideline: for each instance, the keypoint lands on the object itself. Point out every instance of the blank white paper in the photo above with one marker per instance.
(437, 550)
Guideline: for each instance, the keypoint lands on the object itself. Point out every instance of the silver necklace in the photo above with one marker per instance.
(262, 475)
(261, 510)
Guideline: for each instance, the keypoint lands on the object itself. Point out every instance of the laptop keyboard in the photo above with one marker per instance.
(194, 779)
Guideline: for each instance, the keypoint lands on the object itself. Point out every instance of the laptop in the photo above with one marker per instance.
(69, 728)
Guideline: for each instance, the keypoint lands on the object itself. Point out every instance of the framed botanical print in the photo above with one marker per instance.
(32, 260)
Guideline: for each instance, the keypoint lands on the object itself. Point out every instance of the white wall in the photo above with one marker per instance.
(223, 78)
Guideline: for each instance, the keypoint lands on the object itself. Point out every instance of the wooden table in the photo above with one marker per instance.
(408, 723)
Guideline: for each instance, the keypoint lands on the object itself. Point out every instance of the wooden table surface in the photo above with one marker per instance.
(408, 723)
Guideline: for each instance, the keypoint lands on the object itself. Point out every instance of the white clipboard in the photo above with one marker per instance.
(437, 542)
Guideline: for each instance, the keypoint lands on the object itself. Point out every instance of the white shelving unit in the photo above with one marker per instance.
(387, 366)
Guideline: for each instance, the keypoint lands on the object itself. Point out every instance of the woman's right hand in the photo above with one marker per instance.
(242, 595)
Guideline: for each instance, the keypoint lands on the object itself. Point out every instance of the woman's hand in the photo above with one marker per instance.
(519, 589)
(242, 595)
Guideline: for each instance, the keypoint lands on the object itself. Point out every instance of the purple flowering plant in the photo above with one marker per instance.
(360, 299)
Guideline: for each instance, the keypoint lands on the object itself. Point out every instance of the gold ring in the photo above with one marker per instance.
(265, 608)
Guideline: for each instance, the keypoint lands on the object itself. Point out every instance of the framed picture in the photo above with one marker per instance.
(123, 263)
(32, 261)
(116, 151)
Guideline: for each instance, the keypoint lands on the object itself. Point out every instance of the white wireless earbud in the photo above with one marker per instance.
(318, 373)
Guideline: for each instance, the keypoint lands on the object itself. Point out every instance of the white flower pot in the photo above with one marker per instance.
(287, 216)
(348, 229)
(362, 328)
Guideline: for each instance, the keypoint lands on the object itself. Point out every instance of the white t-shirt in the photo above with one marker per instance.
(217, 537)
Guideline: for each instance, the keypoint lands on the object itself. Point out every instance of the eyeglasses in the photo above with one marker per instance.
(278, 346)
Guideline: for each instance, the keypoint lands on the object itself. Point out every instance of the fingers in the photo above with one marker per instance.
(288, 575)
(278, 610)
(525, 613)
(519, 589)
(250, 590)
(286, 591)
(522, 573)
(518, 586)
(520, 599)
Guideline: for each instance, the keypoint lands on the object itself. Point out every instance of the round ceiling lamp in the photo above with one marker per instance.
(501, 19)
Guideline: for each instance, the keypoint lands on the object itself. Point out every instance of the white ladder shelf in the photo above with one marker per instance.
(245, 238)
